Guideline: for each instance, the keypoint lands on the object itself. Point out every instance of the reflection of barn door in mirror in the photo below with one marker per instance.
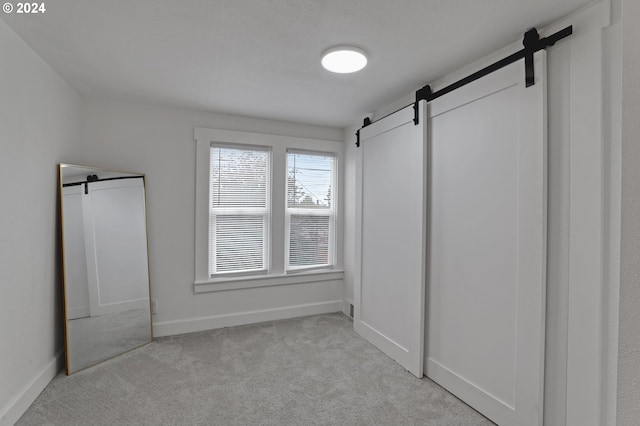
(487, 226)
(76, 273)
(105, 266)
(116, 246)
(389, 291)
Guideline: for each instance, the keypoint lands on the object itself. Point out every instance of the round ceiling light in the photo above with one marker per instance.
(344, 59)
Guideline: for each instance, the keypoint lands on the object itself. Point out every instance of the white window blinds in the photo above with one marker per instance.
(239, 209)
(310, 212)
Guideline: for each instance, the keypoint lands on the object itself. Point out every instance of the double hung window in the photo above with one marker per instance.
(267, 210)
(310, 210)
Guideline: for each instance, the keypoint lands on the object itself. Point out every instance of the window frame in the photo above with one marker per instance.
(266, 256)
(276, 274)
(331, 213)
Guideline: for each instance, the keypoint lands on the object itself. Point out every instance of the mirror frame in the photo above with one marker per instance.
(61, 166)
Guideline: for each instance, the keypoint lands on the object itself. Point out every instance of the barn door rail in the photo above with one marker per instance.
(94, 178)
(532, 43)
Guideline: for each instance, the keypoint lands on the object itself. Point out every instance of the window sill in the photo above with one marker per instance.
(237, 283)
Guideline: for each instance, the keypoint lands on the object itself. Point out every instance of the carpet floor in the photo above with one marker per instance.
(305, 371)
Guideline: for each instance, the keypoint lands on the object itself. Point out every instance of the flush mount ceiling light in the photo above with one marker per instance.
(344, 59)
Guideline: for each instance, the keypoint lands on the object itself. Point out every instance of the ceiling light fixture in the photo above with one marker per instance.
(344, 59)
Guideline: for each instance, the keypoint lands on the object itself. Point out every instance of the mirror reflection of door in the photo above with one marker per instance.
(76, 269)
(105, 264)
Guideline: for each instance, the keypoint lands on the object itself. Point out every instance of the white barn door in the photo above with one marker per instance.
(115, 228)
(487, 246)
(389, 286)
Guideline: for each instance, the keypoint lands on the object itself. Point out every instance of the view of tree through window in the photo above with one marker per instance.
(310, 210)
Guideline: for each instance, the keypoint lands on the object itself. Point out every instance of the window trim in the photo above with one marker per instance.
(276, 275)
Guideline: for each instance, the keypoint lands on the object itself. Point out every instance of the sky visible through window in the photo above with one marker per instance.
(309, 180)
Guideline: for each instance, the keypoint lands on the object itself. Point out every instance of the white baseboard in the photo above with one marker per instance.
(116, 308)
(346, 306)
(169, 328)
(10, 413)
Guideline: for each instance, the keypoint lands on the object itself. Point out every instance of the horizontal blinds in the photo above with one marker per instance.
(239, 209)
(310, 209)
(309, 240)
(239, 244)
(239, 177)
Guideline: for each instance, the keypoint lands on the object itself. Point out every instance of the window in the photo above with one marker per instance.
(267, 210)
(239, 209)
(310, 212)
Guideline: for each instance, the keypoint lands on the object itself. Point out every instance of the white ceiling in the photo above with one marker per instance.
(261, 58)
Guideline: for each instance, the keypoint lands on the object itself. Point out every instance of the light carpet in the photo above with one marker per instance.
(304, 371)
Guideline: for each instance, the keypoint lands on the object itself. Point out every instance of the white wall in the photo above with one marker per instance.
(628, 401)
(39, 127)
(159, 142)
(352, 160)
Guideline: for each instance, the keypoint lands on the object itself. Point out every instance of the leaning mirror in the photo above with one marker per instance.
(105, 264)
